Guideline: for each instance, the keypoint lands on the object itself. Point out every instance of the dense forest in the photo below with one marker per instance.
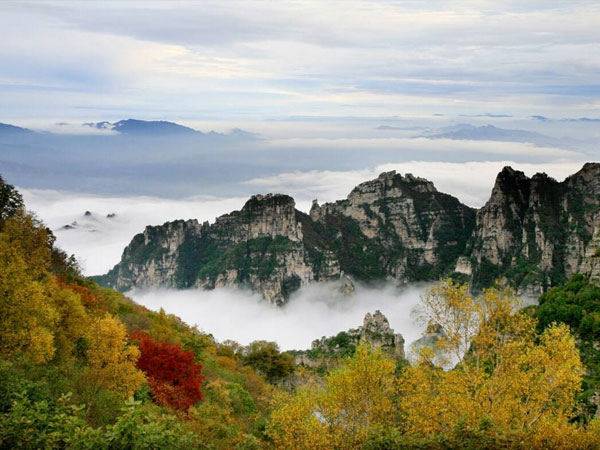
(84, 367)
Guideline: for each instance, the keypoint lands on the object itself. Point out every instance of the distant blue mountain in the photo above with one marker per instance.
(392, 127)
(568, 119)
(541, 118)
(99, 125)
(133, 126)
(11, 130)
(581, 119)
(469, 132)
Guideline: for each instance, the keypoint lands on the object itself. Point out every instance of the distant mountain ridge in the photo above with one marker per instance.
(533, 233)
(491, 133)
(7, 129)
(133, 127)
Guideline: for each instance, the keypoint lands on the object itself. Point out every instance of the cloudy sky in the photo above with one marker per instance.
(257, 60)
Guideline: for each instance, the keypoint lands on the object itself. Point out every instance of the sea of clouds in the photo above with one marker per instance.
(314, 311)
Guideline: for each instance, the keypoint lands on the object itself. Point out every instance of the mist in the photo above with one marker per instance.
(96, 240)
(312, 312)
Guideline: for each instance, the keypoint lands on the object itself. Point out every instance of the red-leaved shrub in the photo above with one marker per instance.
(173, 376)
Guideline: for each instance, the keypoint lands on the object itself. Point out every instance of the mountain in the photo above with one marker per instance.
(11, 130)
(144, 127)
(533, 233)
(375, 332)
(393, 227)
(469, 132)
(536, 231)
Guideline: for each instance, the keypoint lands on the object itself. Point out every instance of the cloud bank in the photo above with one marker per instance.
(264, 59)
(314, 311)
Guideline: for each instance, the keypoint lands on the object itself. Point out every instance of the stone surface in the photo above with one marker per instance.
(375, 332)
(537, 232)
(532, 233)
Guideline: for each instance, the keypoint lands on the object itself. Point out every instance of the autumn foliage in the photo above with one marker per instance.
(173, 375)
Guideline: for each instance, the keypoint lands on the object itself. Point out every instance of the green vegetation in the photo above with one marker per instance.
(204, 258)
(577, 304)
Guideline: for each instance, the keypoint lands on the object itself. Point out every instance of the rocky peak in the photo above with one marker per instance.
(511, 186)
(375, 323)
(375, 332)
(390, 184)
(537, 230)
(261, 216)
(587, 180)
(269, 202)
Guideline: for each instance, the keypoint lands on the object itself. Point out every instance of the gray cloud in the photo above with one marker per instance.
(254, 59)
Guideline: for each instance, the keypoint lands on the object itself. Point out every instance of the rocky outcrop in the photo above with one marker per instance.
(532, 233)
(375, 332)
(260, 246)
(536, 232)
(409, 229)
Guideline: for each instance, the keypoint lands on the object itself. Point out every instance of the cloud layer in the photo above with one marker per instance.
(314, 311)
(265, 59)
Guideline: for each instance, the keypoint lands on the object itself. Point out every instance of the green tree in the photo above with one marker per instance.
(266, 359)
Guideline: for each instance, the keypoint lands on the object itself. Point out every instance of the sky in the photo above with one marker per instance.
(261, 60)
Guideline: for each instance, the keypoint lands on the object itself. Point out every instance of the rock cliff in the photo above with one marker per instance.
(532, 233)
(375, 332)
(536, 232)
(260, 246)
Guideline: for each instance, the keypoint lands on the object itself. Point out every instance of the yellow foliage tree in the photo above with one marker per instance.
(507, 382)
(27, 318)
(111, 360)
(73, 321)
(356, 398)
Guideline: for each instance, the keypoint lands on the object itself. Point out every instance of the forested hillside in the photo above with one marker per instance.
(83, 367)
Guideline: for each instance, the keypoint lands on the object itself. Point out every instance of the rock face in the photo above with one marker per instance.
(532, 233)
(375, 332)
(396, 227)
(536, 232)
(260, 246)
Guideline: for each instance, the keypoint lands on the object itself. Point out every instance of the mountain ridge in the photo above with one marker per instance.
(395, 228)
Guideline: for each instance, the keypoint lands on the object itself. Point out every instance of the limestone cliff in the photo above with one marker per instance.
(397, 228)
(532, 233)
(375, 332)
(260, 246)
(536, 232)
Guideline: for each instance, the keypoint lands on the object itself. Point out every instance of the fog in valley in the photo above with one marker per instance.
(313, 311)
